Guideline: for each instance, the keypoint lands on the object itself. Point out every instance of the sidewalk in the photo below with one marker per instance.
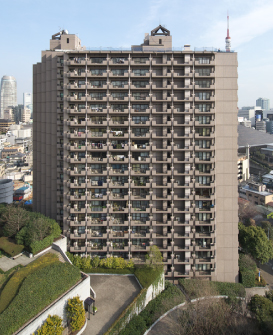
(8, 263)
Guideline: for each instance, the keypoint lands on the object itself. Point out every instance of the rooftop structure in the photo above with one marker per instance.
(135, 148)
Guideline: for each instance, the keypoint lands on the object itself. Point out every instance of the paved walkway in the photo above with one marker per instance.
(113, 295)
(8, 263)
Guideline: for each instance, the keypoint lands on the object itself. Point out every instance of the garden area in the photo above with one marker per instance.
(21, 229)
(28, 290)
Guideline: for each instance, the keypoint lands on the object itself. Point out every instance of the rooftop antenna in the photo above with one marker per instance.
(228, 39)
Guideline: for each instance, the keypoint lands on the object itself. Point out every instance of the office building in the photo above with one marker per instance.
(8, 93)
(139, 147)
(263, 103)
(27, 101)
(25, 115)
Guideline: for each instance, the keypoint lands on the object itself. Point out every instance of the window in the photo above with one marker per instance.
(67, 40)
(140, 72)
(160, 41)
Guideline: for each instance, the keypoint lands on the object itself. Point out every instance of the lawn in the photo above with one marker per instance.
(40, 288)
(12, 286)
(10, 247)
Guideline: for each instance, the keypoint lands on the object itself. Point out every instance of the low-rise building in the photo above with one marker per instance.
(255, 193)
(5, 124)
(8, 151)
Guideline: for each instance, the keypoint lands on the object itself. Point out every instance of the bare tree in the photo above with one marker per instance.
(13, 219)
(247, 212)
(211, 316)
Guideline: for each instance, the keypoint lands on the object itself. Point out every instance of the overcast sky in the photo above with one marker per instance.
(27, 25)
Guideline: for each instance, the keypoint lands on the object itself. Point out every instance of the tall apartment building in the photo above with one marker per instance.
(139, 147)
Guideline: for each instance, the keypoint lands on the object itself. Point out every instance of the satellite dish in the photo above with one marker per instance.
(66, 32)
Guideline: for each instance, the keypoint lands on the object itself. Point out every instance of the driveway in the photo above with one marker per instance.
(113, 294)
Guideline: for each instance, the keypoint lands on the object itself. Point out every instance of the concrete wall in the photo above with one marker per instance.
(226, 183)
(58, 307)
(154, 290)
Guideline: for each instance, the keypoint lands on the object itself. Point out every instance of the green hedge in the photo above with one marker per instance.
(247, 277)
(147, 275)
(86, 264)
(167, 299)
(38, 290)
(196, 288)
(37, 246)
(12, 286)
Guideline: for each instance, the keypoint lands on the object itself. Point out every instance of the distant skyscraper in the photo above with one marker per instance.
(27, 101)
(263, 103)
(8, 93)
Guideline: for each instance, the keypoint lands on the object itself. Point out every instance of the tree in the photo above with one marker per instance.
(246, 212)
(52, 326)
(154, 257)
(262, 307)
(254, 241)
(13, 219)
(210, 316)
(268, 229)
(75, 313)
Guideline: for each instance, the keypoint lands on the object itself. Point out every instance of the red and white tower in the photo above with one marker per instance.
(228, 39)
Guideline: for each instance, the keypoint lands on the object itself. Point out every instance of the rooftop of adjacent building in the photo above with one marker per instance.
(248, 188)
(159, 40)
(252, 137)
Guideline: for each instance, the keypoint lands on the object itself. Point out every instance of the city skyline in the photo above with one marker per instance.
(250, 28)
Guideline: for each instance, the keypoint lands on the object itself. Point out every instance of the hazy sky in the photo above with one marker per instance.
(27, 25)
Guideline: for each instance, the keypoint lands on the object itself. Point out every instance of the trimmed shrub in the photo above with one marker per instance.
(37, 246)
(247, 278)
(75, 313)
(37, 291)
(93, 265)
(14, 283)
(136, 326)
(52, 326)
(9, 247)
